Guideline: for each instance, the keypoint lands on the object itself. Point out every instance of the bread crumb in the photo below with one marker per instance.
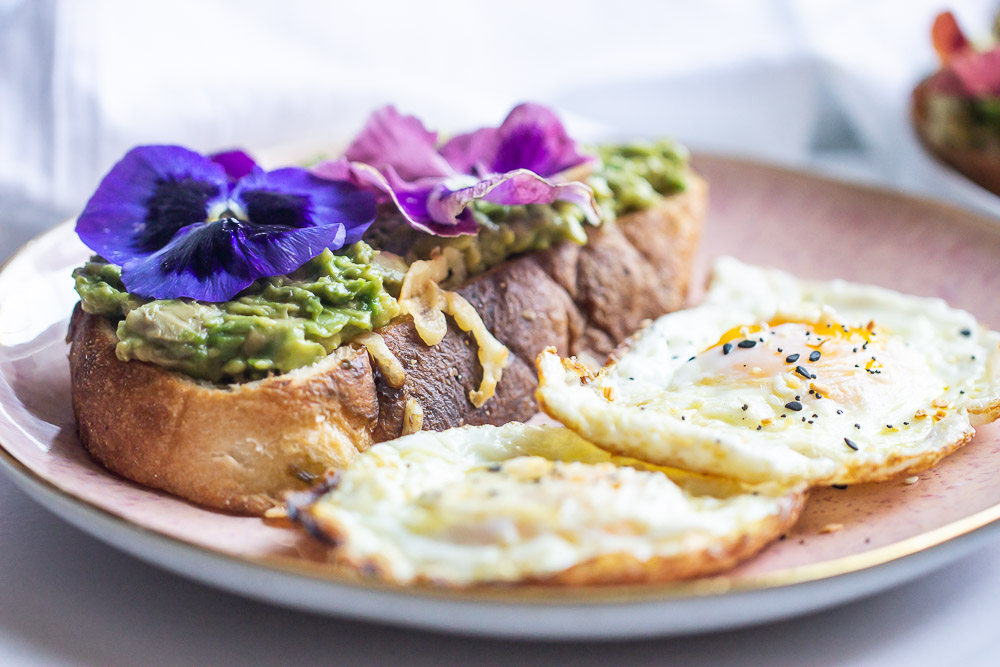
(277, 517)
(831, 528)
(912, 479)
(529, 315)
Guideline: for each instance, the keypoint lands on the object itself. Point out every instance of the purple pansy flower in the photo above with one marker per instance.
(524, 161)
(184, 225)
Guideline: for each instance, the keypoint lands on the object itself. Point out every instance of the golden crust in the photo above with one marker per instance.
(236, 448)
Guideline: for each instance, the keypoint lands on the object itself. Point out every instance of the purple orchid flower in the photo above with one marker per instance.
(524, 161)
(184, 225)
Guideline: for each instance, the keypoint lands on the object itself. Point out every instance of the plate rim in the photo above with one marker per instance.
(542, 595)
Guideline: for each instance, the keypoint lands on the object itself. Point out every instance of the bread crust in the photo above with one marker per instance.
(241, 447)
(237, 448)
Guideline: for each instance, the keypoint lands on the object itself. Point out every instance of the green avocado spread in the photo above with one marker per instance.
(282, 323)
(275, 325)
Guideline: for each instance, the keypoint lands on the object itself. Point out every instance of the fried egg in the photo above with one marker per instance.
(534, 503)
(776, 378)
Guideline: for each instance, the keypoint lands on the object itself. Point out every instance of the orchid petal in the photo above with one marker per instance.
(390, 139)
(148, 196)
(531, 137)
(236, 163)
(411, 199)
(514, 188)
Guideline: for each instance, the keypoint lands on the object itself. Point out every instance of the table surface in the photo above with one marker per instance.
(66, 598)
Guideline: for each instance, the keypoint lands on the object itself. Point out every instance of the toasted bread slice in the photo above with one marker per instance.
(980, 165)
(241, 447)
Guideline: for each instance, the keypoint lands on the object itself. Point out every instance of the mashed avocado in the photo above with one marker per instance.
(282, 323)
(275, 325)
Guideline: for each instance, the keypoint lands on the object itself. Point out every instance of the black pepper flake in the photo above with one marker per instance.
(691, 359)
(783, 416)
(759, 427)
(791, 359)
(966, 332)
(794, 406)
(814, 355)
(745, 407)
(779, 349)
(906, 423)
(746, 343)
(803, 372)
(798, 398)
(815, 415)
(727, 348)
(850, 443)
(839, 487)
(494, 468)
(857, 426)
(840, 412)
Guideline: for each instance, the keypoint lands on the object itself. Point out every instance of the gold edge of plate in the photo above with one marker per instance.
(709, 586)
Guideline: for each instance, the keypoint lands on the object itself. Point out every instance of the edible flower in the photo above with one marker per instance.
(181, 224)
(529, 159)
(967, 72)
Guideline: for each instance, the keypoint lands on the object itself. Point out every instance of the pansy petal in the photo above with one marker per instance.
(236, 163)
(148, 196)
(514, 188)
(411, 199)
(214, 262)
(296, 198)
(531, 137)
(390, 139)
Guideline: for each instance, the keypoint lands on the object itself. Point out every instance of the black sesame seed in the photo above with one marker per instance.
(966, 332)
(814, 355)
(906, 423)
(691, 359)
(746, 343)
(794, 406)
(803, 372)
(850, 443)
(727, 348)
(791, 359)
(761, 339)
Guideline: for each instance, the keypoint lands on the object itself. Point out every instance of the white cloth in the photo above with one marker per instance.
(81, 82)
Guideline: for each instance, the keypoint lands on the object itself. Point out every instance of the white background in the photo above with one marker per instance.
(813, 83)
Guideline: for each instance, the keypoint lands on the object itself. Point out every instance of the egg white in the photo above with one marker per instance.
(518, 503)
(894, 383)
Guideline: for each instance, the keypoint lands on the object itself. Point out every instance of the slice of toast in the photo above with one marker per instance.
(242, 447)
(980, 165)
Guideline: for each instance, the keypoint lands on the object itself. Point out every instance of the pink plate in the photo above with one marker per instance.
(814, 227)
